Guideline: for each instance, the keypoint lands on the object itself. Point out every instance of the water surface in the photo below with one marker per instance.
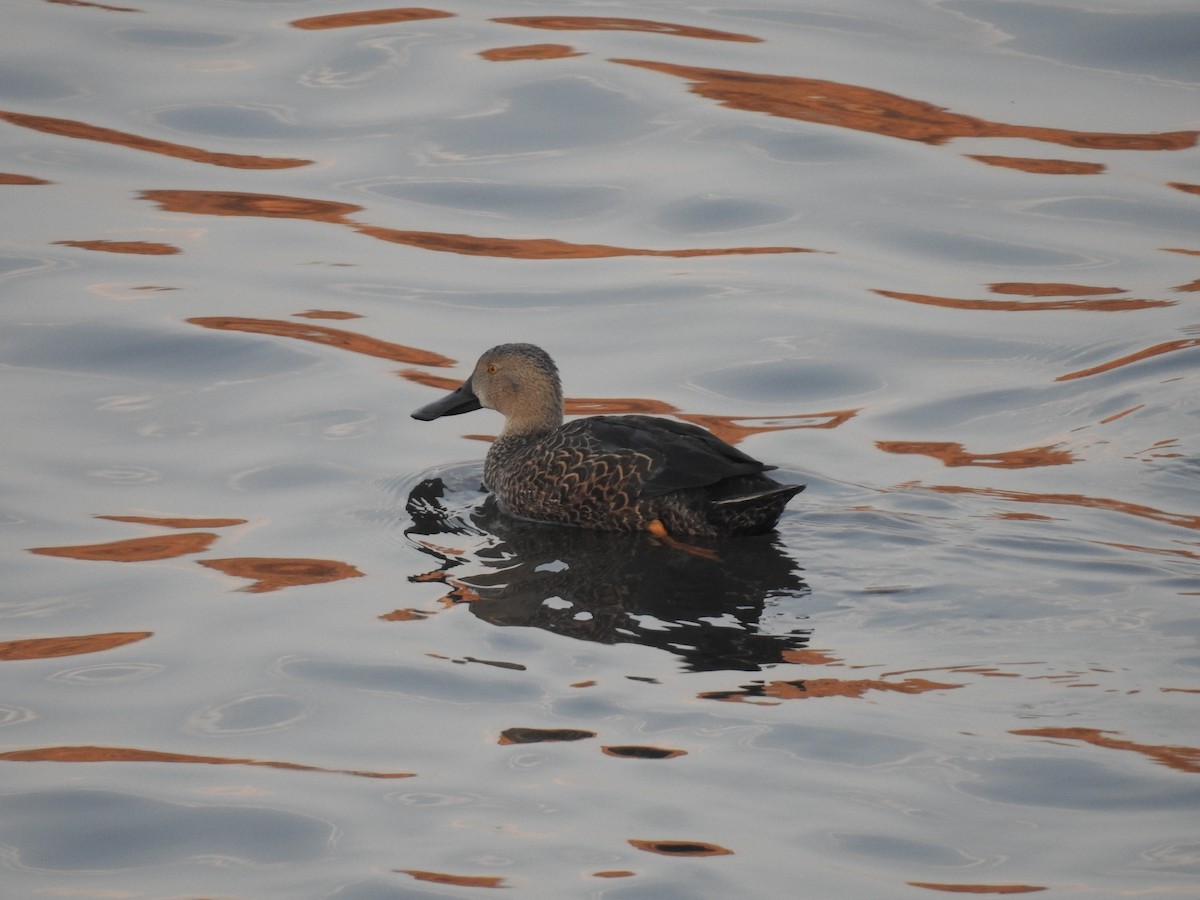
(263, 635)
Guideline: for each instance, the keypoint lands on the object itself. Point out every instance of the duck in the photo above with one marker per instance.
(622, 473)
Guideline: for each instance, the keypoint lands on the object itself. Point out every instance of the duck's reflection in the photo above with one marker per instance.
(726, 608)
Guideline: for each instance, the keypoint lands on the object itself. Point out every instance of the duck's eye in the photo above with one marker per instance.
(492, 369)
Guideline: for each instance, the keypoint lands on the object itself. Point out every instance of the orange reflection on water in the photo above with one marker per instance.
(878, 112)
(610, 23)
(237, 203)
(1050, 289)
(83, 131)
(734, 429)
(977, 888)
(529, 51)
(175, 521)
(12, 178)
(544, 248)
(807, 688)
(1184, 759)
(681, 848)
(272, 574)
(147, 248)
(104, 6)
(1108, 304)
(165, 546)
(480, 881)
(68, 645)
(953, 454)
(810, 657)
(407, 615)
(543, 735)
(369, 17)
(1160, 551)
(637, 751)
(1148, 353)
(1131, 509)
(330, 337)
(130, 754)
(1041, 166)
(326, 314)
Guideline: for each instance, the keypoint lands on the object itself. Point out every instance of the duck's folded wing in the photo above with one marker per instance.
(683, 455)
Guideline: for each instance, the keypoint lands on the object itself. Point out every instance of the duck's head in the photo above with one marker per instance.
(519, 381)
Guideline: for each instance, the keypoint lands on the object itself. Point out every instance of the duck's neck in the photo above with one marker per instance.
(541, 413)
(530, 426)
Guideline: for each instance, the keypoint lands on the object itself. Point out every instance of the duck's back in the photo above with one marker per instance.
(621, 473)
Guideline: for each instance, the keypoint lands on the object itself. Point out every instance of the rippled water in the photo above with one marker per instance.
(263, 636)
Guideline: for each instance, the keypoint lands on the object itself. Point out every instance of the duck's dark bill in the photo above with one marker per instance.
(455, 403)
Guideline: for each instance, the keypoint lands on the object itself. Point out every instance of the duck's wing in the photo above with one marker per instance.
(682, 455)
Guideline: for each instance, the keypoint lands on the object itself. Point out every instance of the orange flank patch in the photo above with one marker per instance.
(165, 546)
(68, 645)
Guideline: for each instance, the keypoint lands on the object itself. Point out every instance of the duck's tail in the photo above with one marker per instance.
(754, 510)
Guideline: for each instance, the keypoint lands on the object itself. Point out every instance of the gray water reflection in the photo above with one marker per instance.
(102, 831)
(713, 605)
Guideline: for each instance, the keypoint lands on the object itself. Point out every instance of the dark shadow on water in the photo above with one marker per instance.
(731, 611)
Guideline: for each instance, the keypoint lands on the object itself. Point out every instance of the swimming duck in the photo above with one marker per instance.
(614, 473)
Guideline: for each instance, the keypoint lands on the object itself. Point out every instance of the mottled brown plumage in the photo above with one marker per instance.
(616, 473)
